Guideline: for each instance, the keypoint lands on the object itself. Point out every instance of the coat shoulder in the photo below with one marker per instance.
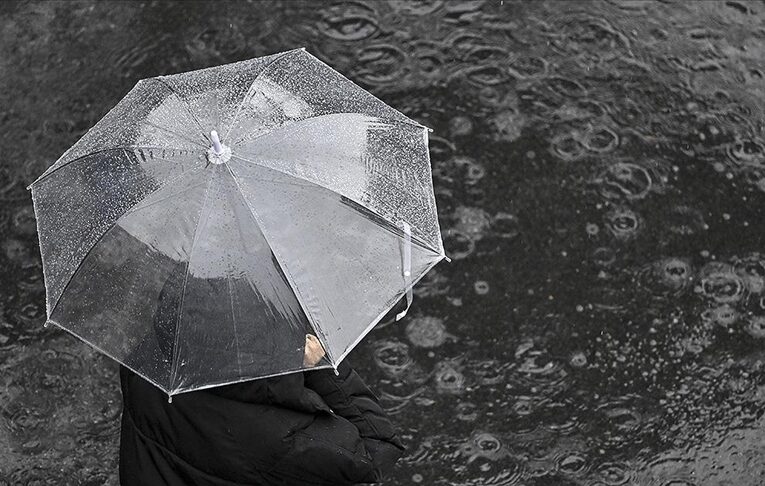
(229, 439)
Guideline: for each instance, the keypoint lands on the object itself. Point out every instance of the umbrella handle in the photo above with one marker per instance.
(406, 266)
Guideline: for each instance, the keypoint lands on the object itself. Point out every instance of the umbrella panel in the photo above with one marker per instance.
(150, 116)
(381, 164)
(112, 300)
(162, 295)
(78, 203)
(344, 261)
(240, 317)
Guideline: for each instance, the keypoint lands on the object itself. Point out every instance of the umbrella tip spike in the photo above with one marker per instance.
(217, 153)
(217, 147)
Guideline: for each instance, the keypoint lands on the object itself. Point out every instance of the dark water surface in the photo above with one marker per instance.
(600, 176)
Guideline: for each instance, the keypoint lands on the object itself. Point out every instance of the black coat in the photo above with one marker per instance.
(309, 428)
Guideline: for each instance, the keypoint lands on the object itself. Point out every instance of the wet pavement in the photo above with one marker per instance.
(600, 177)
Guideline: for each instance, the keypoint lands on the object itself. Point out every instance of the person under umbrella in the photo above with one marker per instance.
(309, 428)
(229, 235)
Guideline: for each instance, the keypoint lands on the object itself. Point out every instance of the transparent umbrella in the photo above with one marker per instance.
(213, 218)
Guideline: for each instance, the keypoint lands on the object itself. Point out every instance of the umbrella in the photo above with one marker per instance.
(213, 218)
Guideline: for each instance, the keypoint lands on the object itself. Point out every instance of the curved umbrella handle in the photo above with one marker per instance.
(406, 266)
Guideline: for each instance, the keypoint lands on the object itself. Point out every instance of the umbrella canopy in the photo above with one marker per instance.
(213, 218)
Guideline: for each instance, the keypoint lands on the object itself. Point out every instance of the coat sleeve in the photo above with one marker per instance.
(356, 443)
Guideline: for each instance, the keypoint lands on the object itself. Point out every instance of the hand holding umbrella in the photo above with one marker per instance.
(314, 352)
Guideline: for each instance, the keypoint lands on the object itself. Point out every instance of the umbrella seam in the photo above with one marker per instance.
(134, 208)
(111, 226)
(388, 307)
(89, 130)
(415, 239)
(250, 89)
(153, 203)
(103, 351)
(412, 282)
(422, 185)
(408, 120)
(290, 280)
(268, 129)
(296, 123)
(42, 258)
(233, 321)
(184, 103)
(217, 98)
(250, 378)
(90, 154)
(174, 360)
(432, 195)
(171, 132)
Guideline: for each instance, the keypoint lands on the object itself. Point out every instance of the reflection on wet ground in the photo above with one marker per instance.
(600, 174)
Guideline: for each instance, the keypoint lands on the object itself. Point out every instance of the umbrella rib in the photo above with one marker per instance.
(286, 131)
(202, 215)
(372, 325)
(111, 226)
(217, 100)
(105, 353)
(297, 124)
(290, 281)
(415, 239)
(174, 133)
(90, 154)
(154, 203)
(133, 209)
(408, 120)
(233, 320)
(290, 128)
(185, 105)
(250, 89)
